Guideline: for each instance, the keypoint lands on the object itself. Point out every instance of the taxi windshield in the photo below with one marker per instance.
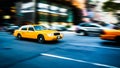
(40, 28)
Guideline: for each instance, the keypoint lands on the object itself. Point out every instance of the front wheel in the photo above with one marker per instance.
(41, 39)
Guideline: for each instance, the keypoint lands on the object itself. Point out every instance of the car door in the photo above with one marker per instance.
(117, 32)
(93, 28)
(23, 32)
(31, 33)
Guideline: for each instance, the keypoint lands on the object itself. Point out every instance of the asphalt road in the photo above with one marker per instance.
(71, 52)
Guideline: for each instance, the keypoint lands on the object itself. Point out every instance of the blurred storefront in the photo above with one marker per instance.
(50, 11)
(43, 11)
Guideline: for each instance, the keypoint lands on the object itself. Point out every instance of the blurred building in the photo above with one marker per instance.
(98, 14)
(7, 12)
(43, 11)
(50, 11)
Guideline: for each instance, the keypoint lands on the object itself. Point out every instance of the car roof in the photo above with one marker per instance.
(87, 23)
(30, 25)
(90, 24)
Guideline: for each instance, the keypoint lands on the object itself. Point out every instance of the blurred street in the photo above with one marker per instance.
(71, 52)
(83, 28)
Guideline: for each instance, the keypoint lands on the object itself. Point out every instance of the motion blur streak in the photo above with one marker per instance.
(76, 60)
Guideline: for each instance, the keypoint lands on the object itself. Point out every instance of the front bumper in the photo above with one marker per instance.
(107, 37)
(53, 38)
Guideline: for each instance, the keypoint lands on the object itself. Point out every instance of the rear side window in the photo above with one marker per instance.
(40, 28)
(24, 28)
(93, 26)
(88, 25)
(30, 29)
(83, 25)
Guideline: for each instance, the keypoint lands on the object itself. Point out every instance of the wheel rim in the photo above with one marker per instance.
(18, 37)
(81, 33)
(40, 39)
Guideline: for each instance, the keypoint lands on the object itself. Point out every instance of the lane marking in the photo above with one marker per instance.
(93, 46)
(76, 60)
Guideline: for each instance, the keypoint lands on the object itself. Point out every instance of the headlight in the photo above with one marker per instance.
(50, 34)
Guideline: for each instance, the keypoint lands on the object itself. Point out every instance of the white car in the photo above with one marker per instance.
(89, 28)
(72, 28)
(58, 27)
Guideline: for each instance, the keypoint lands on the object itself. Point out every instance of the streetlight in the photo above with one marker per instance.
(6, 17)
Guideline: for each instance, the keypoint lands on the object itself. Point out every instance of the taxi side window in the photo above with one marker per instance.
(24, 28)
(30, 29)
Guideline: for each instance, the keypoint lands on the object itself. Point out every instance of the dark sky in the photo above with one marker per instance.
(5, 4)
(5, 8)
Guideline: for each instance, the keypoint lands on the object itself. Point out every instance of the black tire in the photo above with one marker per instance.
(117, 39)
(19, 37)
(82, 33)
(40, 39)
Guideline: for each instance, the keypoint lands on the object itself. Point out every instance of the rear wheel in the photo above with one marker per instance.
(117, 39)
(41, 39)
(19, 37)
(82, 33)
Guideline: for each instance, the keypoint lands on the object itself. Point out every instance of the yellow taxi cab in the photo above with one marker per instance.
(38, 32)
(112, 34)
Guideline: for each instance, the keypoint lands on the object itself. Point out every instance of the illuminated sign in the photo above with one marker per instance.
(27, 5)
(62, 10)
(6, 17)
(42, 5)
(54, 8)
